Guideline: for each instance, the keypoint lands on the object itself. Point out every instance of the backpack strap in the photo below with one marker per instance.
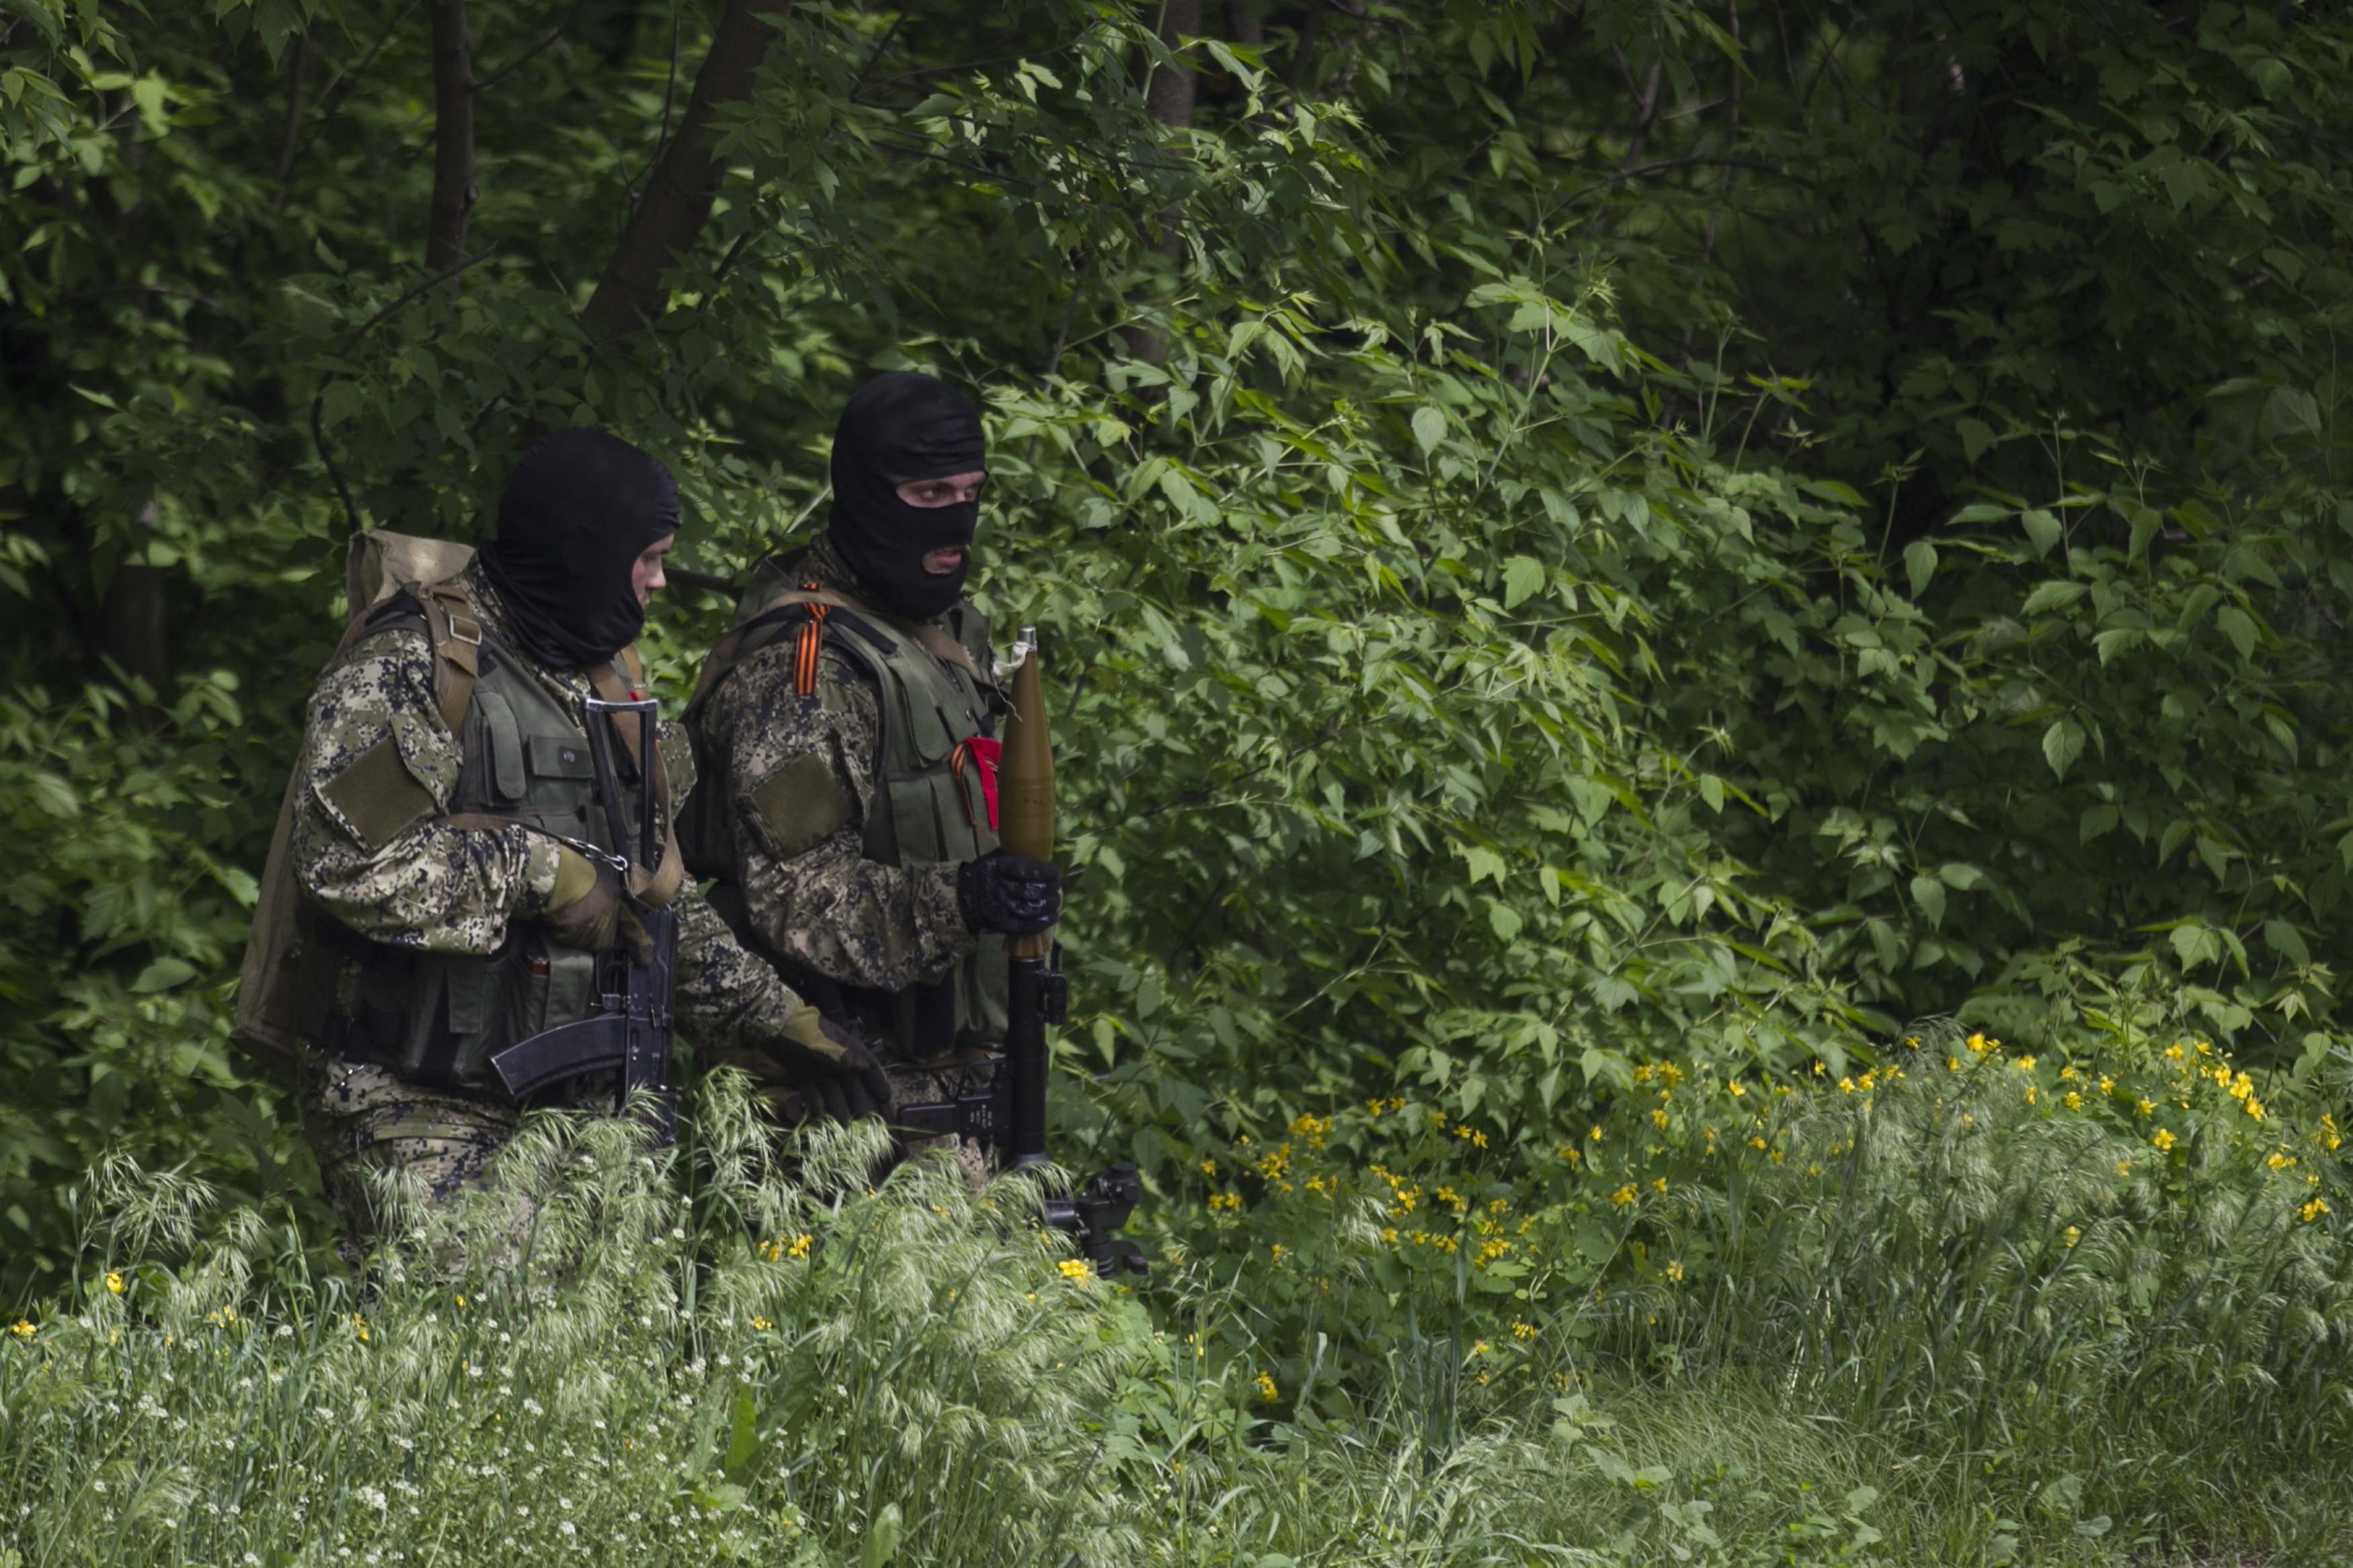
(455, 628)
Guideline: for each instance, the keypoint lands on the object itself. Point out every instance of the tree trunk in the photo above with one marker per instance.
(454, 192)
(1169, 99)
(134, 630)
(679, 190)
(1170, 96)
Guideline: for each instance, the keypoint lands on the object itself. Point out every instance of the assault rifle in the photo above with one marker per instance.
(630, 1032)
(1008, 1116)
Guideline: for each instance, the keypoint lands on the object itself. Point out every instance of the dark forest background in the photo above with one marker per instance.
(1571, 535)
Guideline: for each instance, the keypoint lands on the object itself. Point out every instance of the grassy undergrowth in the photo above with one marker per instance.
(1941, 1315)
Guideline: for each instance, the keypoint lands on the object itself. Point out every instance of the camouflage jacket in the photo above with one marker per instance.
(440, 888)
(825, 904)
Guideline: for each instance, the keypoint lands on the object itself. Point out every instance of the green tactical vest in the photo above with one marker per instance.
(439, 1017)
(934, 696)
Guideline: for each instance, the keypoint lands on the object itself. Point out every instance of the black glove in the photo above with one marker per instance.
(836, 1075)
(1009, 893)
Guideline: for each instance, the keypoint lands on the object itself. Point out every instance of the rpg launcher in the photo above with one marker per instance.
(1009, 1116)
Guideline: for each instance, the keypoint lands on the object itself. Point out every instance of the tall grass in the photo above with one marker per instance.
(2121, 1331)
(605, 1356)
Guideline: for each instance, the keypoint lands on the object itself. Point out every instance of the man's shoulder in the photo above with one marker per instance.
(389, 647)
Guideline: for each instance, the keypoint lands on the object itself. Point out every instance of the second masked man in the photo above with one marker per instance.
(847, 727)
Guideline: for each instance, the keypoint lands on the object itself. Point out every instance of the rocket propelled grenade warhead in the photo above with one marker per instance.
(1025, 777)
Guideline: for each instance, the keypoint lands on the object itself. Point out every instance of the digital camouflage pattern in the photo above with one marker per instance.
(444, 888)
(827, 906)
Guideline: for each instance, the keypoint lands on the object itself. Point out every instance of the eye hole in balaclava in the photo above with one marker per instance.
(579, 508)
(899, 427)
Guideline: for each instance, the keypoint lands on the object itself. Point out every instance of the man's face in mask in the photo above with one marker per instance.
(955, 489)
(909, 461)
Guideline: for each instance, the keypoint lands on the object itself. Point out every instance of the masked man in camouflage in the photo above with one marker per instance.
(445, 766)
(847, 729)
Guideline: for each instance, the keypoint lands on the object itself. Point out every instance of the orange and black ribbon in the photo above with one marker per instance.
(959, 760)
(812, 643)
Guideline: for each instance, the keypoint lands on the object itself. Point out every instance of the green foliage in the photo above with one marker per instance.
(1515, 613)
(602, 1355)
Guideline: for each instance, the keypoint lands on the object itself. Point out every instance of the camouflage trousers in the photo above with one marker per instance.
(362, 1121)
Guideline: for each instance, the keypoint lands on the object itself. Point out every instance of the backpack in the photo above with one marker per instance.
(379, 565)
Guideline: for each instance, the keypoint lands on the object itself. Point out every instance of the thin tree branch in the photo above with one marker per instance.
(1663, 165)
(319, 401)
(680, 187)
(332, 99)
(454, 191)
(298, 77)
(1646, 113)
(531, 54)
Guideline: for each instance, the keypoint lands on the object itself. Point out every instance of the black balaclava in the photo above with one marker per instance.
(579, 508)
(901, 427)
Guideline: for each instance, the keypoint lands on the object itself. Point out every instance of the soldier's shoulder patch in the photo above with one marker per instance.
(798, 807)
(375, 799)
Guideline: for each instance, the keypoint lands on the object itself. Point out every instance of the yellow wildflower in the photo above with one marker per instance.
(2073, 1101)
(2148, 1106)
(1210, 1167)
(762, 1325)
(1659, 1185)
(23, 1329)
(1266, 1389)
(1083, 1273)
(114, 1282)
(1675, 1271)
(2073, 1236)
(1594, 1136)
(2164, 1139)
(1623, 1195)
(800, 1246)
(2313, 1210)
(1739, 1090)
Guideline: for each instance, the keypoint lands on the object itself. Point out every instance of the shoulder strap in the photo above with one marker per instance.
(624, 680)
(456, 629)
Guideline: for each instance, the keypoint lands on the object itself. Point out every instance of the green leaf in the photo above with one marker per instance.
(1522, 576)
(2041, 529)
(1429, 427)
(1483, 864)
(1977, 438)
(2062, 744)
(1505, 918)
(742, 1437)
(162, 975)
(1929, 894)
(881, 1538)
(2287, 941)
(1919, 564)
(2052, 596)
(2239, 628)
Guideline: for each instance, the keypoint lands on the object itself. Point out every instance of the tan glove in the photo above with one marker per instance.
(584, 911)
(836, 1073)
